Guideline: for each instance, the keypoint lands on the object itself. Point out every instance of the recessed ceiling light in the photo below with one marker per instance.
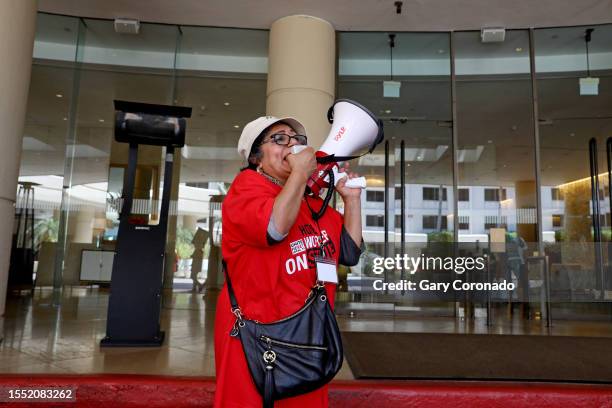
(518, 49)
(101, 120)
(388, 111)
(489, 141)
(226, 104)
(572, 134)
(59, 95)
(237, 126)
(64, 118)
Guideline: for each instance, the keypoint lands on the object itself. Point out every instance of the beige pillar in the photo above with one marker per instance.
(17, 27)
(83, 227)
(190, 222)
(301, 72)
(577, 224)
(526, 200)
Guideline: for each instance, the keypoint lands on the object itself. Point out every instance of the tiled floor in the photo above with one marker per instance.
(41, 337)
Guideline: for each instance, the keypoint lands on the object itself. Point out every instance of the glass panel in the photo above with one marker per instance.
(419, 120)
(153, 47)
(96, 163)
(41, 170)
(222, 76)
(56, 38)
(496, 164)
(569, 119)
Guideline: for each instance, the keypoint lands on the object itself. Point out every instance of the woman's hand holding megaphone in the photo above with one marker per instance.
(346, 191)
(302, 160)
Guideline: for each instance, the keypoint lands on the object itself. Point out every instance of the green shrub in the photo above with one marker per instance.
(184, 247)
(441, 236)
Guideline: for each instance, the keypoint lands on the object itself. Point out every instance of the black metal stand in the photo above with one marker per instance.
(136, 285)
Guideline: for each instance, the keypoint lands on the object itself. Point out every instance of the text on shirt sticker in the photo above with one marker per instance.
(311, 246)
(297, 247)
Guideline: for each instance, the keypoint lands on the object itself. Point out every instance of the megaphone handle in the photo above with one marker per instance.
(357, 182)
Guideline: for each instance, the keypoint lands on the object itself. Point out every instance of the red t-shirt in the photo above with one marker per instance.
(271, 281)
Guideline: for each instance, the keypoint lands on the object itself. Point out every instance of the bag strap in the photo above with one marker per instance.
(230, 290)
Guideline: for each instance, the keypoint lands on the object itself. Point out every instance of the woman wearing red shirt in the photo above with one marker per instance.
(269, 243)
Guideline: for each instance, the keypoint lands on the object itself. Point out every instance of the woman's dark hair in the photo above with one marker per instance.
(255, 153)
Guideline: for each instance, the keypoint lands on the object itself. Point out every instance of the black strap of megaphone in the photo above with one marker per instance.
(316, 215)
(332, 158)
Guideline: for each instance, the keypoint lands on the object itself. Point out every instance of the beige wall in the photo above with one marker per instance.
(17, 28)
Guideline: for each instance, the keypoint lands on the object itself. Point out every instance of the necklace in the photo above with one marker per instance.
(270, 178)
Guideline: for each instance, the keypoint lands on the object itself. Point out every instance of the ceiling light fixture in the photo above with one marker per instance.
(101, 120)
(59, 95)
(588, 85)
(492, 34)
(391, 89)
(237, 126)
(126, 26)
(518, 49)
(226, 104)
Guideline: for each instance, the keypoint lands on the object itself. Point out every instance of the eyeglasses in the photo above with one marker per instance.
(283, 139)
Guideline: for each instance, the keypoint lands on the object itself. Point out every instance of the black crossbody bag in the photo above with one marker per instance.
(294, 355)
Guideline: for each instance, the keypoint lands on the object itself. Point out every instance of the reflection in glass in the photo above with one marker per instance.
(221, 73)
(569, 120)
(419, 163)
(495, 153)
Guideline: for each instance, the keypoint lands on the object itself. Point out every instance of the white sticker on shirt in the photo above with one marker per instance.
(326, 270)
(297, 247)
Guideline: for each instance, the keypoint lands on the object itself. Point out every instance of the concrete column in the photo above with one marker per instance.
(17, 28)
(190, 222)
(577, 248)
(525, 200)
(301, 72)
(83, 226)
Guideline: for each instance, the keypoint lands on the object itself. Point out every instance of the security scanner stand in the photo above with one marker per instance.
(136, 284)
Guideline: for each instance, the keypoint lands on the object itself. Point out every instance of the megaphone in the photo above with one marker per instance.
(354, 128)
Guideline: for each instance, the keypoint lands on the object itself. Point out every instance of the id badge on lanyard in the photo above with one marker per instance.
(326, 269)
